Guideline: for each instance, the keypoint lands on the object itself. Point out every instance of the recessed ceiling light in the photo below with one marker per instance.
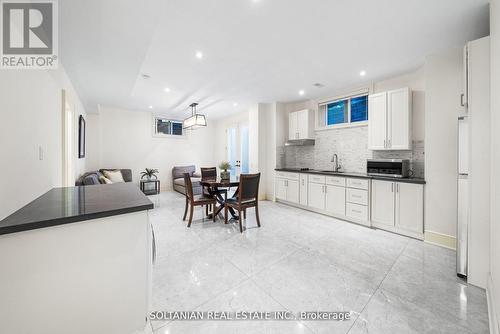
(150, 107)
(235, 104)
(301, 92)
(199, 54)
(362, 73)
(167, 90)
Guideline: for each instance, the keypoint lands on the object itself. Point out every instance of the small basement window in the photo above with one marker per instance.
(347, 110)
(167, 127)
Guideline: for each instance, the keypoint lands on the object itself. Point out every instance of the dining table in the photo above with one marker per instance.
(217, 187)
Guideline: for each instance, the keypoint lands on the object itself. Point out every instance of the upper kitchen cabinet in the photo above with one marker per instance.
(389, 123)
(301, 125)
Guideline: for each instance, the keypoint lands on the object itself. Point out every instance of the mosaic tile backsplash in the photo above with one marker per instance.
(351, 146)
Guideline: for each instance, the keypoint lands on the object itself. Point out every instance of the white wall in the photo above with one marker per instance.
(494, 282)
(31, 117)
(125, 140)
(444, 82)
(479, 165)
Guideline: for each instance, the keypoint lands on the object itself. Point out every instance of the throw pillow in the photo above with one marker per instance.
(104, 180)
(114, 176)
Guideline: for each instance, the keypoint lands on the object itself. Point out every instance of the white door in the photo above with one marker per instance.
(377, 121)
(399, 119)
(281, 189)
(335, 200)
(383, 203)
(303, 189)
(293, 126)
(237, 148)
(303, 124)
(316, 196)
(410, 207)
(292, 191)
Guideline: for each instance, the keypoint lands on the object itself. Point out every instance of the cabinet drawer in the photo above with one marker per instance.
(335, 181)
(358, 183)
(317, 178)
(287, 175)
(356, 211)
(357, 196)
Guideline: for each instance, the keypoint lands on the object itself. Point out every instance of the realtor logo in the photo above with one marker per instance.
(28, 34)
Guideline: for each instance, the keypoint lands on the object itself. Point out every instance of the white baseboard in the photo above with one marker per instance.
(492, 314)
(440, 239)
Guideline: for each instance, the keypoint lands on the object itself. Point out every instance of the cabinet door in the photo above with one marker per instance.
(280, 189)
(316, 196)
(292, 126)
(303, 124)
(292, 191)
(399, 119)
(377, 121)
(303, 189)
(383, 201)
(335, 200)
(410, 207)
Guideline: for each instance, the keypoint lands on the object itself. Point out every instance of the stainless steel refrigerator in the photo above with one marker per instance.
(463, 196)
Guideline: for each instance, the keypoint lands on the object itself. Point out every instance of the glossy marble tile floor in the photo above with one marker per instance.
(302, 261)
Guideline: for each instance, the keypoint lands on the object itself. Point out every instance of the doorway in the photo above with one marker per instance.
(238, 148)
(68, 141)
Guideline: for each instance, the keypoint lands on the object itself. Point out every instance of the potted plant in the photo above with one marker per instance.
(224, 174)
(149, 173)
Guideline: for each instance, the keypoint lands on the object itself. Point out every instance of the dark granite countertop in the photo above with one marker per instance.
(354, 175)
(75, 204)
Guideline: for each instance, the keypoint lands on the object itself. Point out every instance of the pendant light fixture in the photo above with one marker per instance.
(196, 120)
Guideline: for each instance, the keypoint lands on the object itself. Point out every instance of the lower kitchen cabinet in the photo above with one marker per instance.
(383, 203)
(304, 180)
(335, 200)
(316, 196)
(398, 207)
(287, 188)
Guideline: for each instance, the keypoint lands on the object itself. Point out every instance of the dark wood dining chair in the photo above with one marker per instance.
(210, 173)
(192, 201)
(248, 197)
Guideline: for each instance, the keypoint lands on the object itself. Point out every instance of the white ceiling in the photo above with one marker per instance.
(253, 50)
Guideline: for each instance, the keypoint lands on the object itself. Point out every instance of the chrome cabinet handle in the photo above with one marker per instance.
(154, 244)
(385, 144)
(392, 187)
(462, 102)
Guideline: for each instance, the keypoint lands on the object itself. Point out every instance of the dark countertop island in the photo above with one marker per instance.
(75, 204)
(355, 175)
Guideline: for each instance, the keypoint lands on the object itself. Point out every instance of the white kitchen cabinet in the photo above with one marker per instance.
(292, 191)
(377, 121)
(410, 207)
(280, 191)
(304, 180)
(383, 203)
(398, 207)
(316, 195)
(389, 123)
(293, 130)
(287, 187)
(335, 200)
(300, 125)
(399, 119)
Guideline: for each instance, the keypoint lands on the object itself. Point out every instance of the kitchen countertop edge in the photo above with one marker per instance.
(353, 175)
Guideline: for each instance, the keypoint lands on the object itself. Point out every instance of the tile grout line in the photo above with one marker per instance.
(379, 285)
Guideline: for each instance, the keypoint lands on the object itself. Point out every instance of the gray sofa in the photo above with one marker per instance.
(178, 179)
(92, 178)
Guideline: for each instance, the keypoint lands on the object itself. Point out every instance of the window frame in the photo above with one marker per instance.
(349, 122)
(322, 111)
(162, 135)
